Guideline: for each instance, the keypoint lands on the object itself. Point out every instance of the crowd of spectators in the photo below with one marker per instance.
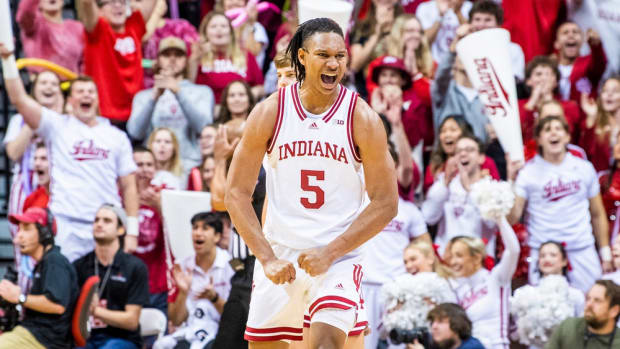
(160, 103)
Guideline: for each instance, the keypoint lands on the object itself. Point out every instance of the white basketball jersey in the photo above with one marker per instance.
(315, 181)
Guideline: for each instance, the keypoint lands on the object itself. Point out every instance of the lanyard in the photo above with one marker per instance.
(101, 285)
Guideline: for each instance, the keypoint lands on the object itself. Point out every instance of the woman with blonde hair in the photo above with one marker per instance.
(165, 147)
(420, 257)
(368, 38)
(407, 41)
(484, 293)
(217, 58)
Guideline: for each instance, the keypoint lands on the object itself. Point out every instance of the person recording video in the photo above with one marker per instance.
(450, 329)
(49, 303)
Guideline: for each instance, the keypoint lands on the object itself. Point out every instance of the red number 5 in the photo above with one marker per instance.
(320, 194)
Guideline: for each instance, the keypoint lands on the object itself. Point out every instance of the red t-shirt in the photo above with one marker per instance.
(224, 72)
(151, 248)
(114, 61)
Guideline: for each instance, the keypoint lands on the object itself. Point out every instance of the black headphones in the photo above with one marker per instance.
(46, 232)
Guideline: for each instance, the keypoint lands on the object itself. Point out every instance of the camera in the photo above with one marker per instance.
(399, 336)
(9, 313)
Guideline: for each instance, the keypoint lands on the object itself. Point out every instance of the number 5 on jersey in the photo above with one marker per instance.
(305, 186)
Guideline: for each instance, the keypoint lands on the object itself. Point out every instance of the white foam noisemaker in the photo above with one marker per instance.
(338, 10)
(6, 32)
(485, 56)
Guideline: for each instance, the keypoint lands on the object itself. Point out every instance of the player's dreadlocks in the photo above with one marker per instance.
(306, 30)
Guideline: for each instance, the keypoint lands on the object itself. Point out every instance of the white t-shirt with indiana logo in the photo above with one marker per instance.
(558, 206)
(384, 251)
(85, 163)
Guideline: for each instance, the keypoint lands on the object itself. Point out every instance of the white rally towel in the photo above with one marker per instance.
(178, 207)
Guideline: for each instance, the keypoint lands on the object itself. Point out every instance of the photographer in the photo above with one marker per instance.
(49, 304)
(450, 329)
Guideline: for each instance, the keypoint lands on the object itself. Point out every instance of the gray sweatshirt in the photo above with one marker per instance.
(186, 113)
(448, 99)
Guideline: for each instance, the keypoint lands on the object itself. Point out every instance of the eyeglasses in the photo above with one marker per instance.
(466, 150)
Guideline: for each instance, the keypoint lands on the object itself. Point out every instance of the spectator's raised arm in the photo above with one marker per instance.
(29, 109)
(27, 15)
(145, 7)
(89, 13)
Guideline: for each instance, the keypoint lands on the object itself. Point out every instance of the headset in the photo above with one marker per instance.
(46, 232)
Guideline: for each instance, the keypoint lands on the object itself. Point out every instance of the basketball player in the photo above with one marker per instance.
(317, 136)
(355, 338)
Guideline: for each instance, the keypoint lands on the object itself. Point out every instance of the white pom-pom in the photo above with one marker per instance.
(408, 299)
(540, 309)
(493, 198)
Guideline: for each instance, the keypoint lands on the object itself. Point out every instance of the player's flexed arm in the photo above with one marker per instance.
(369, 136)
(240, 185)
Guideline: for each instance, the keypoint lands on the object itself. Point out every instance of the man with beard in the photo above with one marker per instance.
(450, 329)
(123, 288)
(597, 328)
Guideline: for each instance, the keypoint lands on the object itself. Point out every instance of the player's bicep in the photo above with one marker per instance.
(371, 140)
(249, 153)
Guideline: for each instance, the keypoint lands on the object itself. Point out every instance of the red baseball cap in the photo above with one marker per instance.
(33, 215)
(392, 63)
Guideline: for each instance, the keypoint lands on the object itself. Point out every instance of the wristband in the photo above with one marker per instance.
(214, 299)
(605, 253)
(9, 68)
(132, 226)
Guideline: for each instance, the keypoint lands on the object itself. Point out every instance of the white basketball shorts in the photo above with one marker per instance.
(277, 311)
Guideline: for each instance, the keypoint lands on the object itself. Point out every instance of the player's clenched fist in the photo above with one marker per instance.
(279, 271)
(314, 261)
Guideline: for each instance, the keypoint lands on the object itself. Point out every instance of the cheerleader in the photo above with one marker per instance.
(484, 293)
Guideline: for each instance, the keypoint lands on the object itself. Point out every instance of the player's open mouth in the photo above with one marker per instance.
(465, 163)
(39, 172)
(85, 105)
(328, 79)
(198, 242)
(554, 142)
(48, 94)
